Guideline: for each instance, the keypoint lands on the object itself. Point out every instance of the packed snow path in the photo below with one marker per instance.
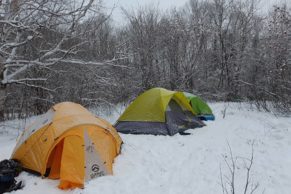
(188, 164)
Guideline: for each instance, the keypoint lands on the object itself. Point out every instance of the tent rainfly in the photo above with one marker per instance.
(200, 107)
(68, 143)
(159, 112)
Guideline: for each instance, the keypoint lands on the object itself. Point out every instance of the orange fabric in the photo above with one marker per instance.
(68, 109)
(26, 154)
(55, 159)
(69, 185)
(72, 164)
(114, 133)
(40, 149)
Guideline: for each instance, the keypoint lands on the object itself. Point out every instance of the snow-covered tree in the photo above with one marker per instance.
(42, 40)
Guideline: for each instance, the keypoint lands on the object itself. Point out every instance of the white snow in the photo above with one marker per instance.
(187, 164)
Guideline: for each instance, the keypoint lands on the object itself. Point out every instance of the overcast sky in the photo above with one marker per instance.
(134, 4)
(164, 5)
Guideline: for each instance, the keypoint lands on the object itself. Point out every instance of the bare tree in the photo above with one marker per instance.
(228, 182)
(144, 36)
(53, 51)
(41, 40)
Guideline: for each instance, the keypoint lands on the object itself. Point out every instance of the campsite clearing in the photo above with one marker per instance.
(187, 164)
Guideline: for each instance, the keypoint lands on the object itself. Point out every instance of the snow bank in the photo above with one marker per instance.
(187, 164)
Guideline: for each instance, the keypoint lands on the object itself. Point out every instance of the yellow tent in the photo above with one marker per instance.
(70, 144)
(158, 112)
(152, 104)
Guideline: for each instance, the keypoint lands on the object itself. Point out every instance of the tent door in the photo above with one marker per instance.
(175, 118)
(179, 120)
(72, 163)
(54, 162)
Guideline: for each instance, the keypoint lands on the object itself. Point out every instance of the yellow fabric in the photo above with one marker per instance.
(43, 148)
(64, 184)
(68, 109)
(181, 99)
(27, 151)
(152, 104)
(113, 132)
(55, 160)
(72, 162)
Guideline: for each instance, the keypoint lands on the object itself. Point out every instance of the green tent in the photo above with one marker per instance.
(199, 106)
(159, 112)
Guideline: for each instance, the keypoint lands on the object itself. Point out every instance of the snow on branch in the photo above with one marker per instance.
(50, 32)
(81, 62)
(35, 86)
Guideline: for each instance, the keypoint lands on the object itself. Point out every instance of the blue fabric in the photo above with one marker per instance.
(206, 117)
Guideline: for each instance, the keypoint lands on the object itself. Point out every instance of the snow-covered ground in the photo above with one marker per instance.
(188, 164)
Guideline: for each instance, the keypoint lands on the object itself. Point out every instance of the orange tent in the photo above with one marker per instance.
(70, 144)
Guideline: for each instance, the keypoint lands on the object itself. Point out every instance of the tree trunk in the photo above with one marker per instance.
(2, 100)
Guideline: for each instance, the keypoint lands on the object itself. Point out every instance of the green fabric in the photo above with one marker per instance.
(198, 105)
(152, 104)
